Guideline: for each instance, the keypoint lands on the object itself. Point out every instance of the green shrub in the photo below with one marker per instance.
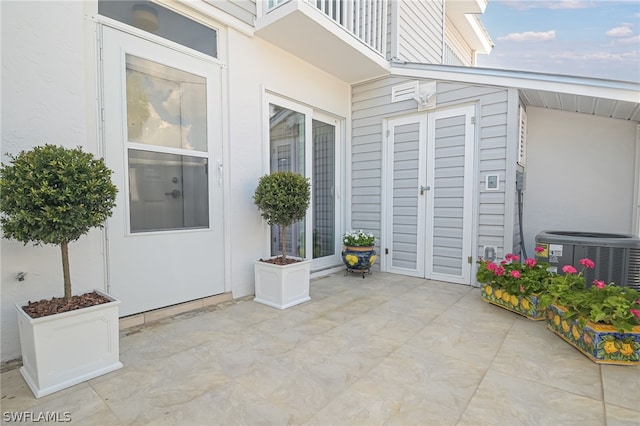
(283, 199)
(54, 195)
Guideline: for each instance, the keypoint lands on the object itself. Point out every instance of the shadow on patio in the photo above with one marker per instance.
(388, 349)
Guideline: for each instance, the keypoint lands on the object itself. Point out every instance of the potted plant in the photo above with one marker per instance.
(514, 285)
(54, 195)
(283, 199)
(358, 252)
(601, 320)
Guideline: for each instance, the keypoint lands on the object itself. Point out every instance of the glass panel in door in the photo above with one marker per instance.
(287, 145)
(167, 191)
(323, 183)
(166, 119)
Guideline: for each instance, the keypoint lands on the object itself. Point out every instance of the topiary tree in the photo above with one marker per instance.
(54, 195)
(283, 198)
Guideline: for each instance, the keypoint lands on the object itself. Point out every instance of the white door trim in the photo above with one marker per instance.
(387, 195)
(115, 146)
(425, 225)
(310, 114)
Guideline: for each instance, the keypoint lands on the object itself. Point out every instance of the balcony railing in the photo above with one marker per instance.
(365, 19)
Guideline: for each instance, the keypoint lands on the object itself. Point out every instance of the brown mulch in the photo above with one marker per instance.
(56, 305)
(281, 261)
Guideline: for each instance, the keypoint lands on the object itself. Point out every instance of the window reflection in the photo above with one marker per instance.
(167, 191)
(165, 106)
(287, 143)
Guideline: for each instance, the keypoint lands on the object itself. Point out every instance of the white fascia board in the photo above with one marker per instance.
(599, 88)
(483, 44)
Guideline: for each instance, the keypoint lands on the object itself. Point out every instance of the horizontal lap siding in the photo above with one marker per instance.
(492, 156)
(371, 105)
(420, 31)
(459, 47)
(244, 10)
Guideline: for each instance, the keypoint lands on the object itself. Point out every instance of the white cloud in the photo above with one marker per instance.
(621, 31)
(597, 56)
(529, 36)
(635, 40)
(567, 4)
(556, 5)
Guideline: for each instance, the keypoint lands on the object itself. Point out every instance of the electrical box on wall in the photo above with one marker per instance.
(519, 181)
(490, 253)
(492, 182)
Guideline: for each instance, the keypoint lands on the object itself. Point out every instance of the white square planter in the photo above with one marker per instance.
(59, 351)
(282, 286)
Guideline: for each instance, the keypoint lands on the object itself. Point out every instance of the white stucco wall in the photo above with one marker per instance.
(256, 66)
(579, 173)
(49, 86)
(44, 100)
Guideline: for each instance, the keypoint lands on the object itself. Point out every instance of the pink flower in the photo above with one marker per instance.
(521, 289)
(510, 257)
(491, 266)
(515, 274)
(568, 269)
(599, 284)
(587, 263)
(530, 262)
(635, 312)
(499, 271)
(503, 262)
(539, 249)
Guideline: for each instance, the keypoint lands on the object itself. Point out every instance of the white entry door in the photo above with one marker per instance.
(163, 140)
(430, 195)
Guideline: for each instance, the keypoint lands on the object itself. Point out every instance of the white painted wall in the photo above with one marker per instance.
(49, 83)
(256, 66)
(45, 100)
(579, 174)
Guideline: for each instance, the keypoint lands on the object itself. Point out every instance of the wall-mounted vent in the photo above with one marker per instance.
(424, 93)
(403, 92)
(522, 139)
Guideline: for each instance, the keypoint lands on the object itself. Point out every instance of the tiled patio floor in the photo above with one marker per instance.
(384, 350)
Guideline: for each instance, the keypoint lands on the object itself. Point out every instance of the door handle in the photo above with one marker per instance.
(174, 194)
(220, 173)
(424, 188)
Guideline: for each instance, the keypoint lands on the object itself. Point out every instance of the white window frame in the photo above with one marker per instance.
(310, 114)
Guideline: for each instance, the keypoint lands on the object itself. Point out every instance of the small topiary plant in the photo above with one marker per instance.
(283, 198)
(54, 195)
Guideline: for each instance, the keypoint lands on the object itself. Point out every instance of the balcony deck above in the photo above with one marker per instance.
(350, 52)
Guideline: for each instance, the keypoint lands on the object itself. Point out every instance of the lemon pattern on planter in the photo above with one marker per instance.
(523, 305)
(359, 259)
(600, 343)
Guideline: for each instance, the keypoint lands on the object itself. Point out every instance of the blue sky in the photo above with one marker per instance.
(572, 37)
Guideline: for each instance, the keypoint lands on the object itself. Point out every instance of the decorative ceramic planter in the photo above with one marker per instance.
(62, 350)
(600, 343)
(282, 286)
(359, 259)
(523, 305)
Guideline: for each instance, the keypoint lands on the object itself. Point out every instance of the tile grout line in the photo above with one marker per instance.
(486, 371)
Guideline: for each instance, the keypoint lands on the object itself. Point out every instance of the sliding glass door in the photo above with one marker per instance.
(306, 142)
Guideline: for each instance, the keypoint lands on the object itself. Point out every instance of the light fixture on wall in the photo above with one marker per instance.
(144, 17)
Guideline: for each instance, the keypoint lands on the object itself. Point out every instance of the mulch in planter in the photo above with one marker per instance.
(57, 305)
(281, 261)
